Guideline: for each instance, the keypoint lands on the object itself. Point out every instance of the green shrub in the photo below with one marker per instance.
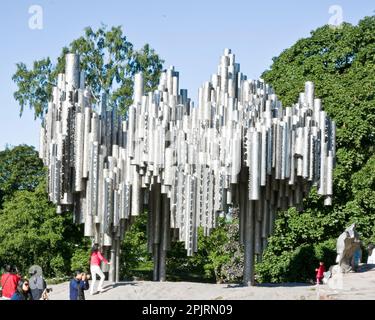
(80, 260)
(224, 252)
(297, 265)
(57, 264)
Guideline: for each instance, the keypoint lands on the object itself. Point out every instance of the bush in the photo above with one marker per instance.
(224, 252)
(57, 265)
(297, 265)
(180, 267)
(326, 252)
(273, 268)
(80, 259)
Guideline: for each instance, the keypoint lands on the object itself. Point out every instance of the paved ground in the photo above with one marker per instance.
(360, 285)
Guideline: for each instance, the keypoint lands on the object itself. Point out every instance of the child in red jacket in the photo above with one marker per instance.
(320, 272)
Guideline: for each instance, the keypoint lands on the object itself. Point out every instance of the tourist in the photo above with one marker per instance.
(23, 291)
(357, 256)
(320, 272)
(37, 285)
(95, 260)
(9, 281)
(77, 286)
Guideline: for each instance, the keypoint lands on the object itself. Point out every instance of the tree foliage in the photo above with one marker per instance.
(30, 230)
(134, 253)
(219, 257)
(341, 63)
(32, 233)
(224, 261)
(80, 259)
(20, 169)
(109, 61)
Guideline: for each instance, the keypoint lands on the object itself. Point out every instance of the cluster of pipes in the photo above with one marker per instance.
(239, 148)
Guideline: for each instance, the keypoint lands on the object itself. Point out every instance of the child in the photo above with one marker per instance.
(320, 272)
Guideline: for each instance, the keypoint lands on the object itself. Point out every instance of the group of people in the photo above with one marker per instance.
(14, 287)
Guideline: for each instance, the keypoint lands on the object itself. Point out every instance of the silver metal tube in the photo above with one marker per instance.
(254, 178)
(72, 70)
(249, 245)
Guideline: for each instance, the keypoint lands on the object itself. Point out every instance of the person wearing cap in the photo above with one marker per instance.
(37, 285)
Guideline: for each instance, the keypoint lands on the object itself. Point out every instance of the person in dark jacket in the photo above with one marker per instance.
(77, 286)
(23, 291)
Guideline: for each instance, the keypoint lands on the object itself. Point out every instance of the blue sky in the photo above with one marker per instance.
(191, 35)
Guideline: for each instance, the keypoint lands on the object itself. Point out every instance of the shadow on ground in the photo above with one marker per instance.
(271, 285)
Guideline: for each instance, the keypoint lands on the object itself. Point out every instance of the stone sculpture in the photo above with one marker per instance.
(347, 243)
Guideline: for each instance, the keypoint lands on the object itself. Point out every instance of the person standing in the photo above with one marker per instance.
(9, 281)
(357, 257)
(23, 291)
(77, 286)
(95, 260)
(37, 285)
(320, 272)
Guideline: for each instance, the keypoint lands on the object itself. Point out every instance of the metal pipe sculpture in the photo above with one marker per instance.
(238, 147)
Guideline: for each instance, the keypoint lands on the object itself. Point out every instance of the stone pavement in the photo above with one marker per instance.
(359, 285)
(148, 290)
(351, 286)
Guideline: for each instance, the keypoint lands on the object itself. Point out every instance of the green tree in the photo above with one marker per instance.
(219, 257)
(341, 63)
(20, 169)
(134, 253)
(32, 233)
(81, 257)
(224, 252)
(109, 61)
